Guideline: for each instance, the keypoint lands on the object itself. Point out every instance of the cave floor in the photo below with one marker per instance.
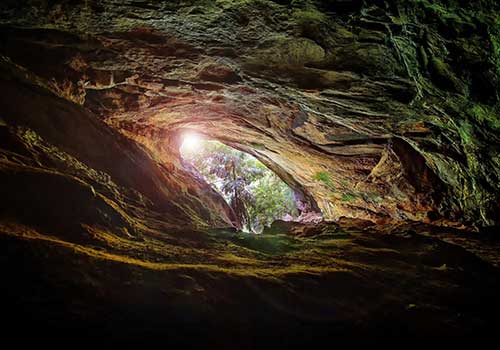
(227, 289)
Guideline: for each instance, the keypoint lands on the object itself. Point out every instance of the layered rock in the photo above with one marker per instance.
(371, 110)
(376, 110)
(64, 170)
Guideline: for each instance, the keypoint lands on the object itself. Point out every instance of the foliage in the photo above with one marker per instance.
(256, 195)
(325, 178)
(273, 200)
(348, 197)
(486, 115)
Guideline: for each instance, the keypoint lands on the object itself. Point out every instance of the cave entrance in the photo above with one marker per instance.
(256, 194)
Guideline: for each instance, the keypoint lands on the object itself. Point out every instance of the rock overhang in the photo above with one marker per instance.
(333, 96)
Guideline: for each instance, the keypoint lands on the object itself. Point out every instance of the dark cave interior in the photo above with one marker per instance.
(382, 115)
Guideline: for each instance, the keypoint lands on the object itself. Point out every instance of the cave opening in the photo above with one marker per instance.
(256, 194)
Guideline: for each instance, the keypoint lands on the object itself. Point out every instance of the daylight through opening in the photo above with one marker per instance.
(256, 194)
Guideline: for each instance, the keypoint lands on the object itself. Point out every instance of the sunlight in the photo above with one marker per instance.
(191, 143)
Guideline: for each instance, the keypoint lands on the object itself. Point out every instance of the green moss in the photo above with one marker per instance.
(486, 115)
(309, 16)
(309, 22)
(267, 244)
(440, 11)
(443, 75)
(30, 137)
(372, 197)
(325, 178)
(494, 36)
(400, 20)
(258, 146)
(348, 197)
(422, 55)
(281, 51)
(466, 133)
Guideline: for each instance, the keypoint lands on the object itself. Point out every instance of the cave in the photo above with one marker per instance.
(383, 117)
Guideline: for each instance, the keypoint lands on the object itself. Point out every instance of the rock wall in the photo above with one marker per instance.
(64, 170)
(382, 110)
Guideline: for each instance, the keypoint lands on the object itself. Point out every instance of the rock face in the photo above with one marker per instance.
(380, 110)
(62, 167)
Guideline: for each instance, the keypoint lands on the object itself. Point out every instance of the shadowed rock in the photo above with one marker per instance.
(383, 115)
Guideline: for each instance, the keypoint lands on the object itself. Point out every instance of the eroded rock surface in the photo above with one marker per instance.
(62, 168)
(374, 112)
(377, 110)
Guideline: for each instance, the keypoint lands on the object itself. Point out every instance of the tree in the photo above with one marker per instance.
(256, 195)
(273, 200)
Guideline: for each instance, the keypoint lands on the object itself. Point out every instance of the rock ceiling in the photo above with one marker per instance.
(367, 110)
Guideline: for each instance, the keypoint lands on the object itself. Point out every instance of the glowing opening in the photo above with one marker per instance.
(191, 143)
(256, 194)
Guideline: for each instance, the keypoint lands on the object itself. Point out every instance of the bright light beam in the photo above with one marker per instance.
(191, 142)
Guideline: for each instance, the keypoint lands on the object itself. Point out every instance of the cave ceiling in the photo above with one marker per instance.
(365, 108)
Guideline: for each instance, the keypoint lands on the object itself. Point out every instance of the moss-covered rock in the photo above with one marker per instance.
(443, 76)
(292, 52)
(363, 72)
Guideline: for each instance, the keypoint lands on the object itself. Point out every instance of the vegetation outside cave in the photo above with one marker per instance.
(256, 194)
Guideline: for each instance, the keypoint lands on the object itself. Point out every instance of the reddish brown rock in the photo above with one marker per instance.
(379, 112)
